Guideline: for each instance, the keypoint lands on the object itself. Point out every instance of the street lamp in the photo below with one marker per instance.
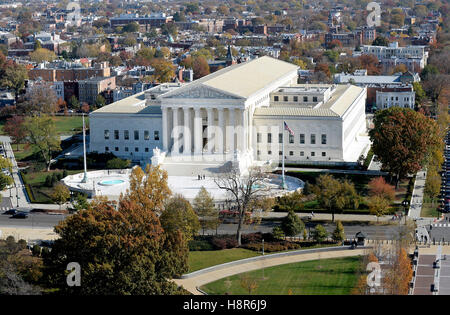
(405, 204)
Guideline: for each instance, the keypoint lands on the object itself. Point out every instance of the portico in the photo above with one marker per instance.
(197, 130)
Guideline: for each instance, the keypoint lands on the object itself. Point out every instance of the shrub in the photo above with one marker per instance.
(224, 242)
(199, 245)
(271, 247)
(36, 250)
(117, 163)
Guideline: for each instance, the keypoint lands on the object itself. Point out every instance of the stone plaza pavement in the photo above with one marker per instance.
(191, 282)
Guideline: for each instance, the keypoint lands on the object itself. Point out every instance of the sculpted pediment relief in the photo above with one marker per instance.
(202, 92)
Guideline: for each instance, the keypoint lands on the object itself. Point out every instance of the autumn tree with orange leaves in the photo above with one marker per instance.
(121, 250)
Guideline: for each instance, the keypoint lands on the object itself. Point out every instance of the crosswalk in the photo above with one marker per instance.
(441, 225)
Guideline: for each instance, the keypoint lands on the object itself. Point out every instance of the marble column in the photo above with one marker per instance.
(198, 134)
(175, 132)
(243, 114)
(165, 127)
(187, 131)
(220, 130)
(231, 129)
(210, 130)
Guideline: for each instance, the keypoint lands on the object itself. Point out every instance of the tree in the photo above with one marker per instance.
(319, 234)
(333, 194)
(248, 283)
(13, 77)
(420, 93)
(41, 54)
(433, 184)
(60, 194)
(40, 99)
(204, 208)
(41, 134)
(398, 276)
(278, 233)
(243, 190)
(14, 128)
(178, 215)
(380, 41)
(338, 234)
(200, 66)
(403, 140)
(74, 103)
(123, 251)
(379, 187)
(100, 101)
(132, 27)
(291, 224)
(164, 70)
(80, 202)
(378, 205)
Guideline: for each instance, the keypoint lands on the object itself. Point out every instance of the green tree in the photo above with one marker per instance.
(132, 27)
(403, 140)
(333, 194)
(100, 101)
(338, 233)
(378, 205)
(60, 194)
(80, 202)
(13, 77)
(178, 215)
(278, 233)
(319, 234)
(41, 54)
(420, 93)
(123, 250)
(74, 103)
(204, 207)
(292, 225)
(42, 136)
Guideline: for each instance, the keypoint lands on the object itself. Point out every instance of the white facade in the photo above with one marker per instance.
(228, 115)
(404, 99)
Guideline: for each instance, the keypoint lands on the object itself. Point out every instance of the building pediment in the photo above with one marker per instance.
(200, 92)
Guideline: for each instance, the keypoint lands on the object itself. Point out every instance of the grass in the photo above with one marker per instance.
(321, 277)
(204, 259)
(65, 125)
(428, 209)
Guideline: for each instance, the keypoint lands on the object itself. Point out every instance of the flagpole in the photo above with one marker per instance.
(282, 140)
(84, 153)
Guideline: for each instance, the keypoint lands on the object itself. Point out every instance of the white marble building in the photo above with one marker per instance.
(227, 116)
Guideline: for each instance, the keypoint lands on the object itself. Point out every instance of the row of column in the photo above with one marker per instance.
(220, 137)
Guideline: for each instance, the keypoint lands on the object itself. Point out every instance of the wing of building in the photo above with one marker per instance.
(235, 115)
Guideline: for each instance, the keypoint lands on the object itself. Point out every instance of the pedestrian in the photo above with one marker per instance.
(204, 176)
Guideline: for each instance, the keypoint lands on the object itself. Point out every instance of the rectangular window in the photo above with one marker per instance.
(126, 149)
(305, 98)
(258, 152)
(302, 138)
(275, 98)
(280, 153)
(295, 98)
(324, 139)
(324, 154)
(269, 152)
(136, 149)
(280, 138)
(146, 149)
(106, 149)
(156, 135)
(302, 153)
(291, 153)
(126, 135)
(116, 134)
(136, 135)
(285, 98)
(106, 134)
(146, 135)
(116, 149)
(313, 139)
(291, 138)
(269, 138)
(258, 137)
(314, 98)
(313, 153)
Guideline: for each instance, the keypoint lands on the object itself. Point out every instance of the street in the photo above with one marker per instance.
(34, 220)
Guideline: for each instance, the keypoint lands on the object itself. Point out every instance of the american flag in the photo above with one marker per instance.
(286, 127)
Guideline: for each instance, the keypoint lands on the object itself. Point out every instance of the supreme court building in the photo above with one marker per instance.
(236, 115)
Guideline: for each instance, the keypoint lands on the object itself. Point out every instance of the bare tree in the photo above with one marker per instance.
(244, 190)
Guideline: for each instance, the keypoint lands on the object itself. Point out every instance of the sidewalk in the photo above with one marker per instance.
(335, 171)
(417, 195)
(28, 234)
(327, 216)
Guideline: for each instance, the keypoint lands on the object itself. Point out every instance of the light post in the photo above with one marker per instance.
(17, 195)
(405, 204)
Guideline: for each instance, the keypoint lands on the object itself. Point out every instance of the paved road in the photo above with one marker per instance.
(417, 195)
(34, 220)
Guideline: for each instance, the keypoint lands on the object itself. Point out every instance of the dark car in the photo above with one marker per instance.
(10, 211)
(20, 215)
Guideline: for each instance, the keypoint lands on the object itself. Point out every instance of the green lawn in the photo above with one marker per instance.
(428, 210)
(204, 259)
(65, 125)
(321, 277)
